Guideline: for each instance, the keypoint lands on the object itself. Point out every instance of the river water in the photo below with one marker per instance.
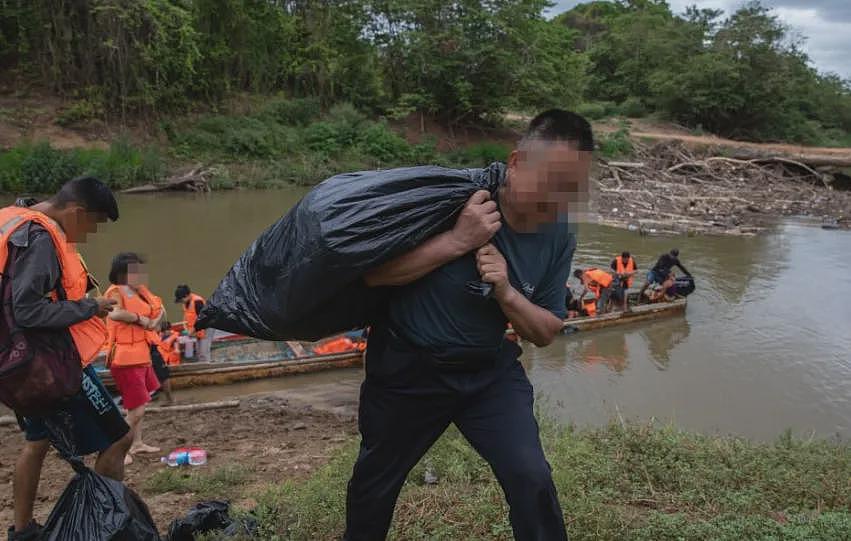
(765, 344)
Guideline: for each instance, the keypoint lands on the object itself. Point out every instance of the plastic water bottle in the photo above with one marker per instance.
(186, 456)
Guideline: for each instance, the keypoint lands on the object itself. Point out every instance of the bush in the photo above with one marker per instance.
(633, 108)
(41, 168)
(295, 112)
(383, 146)
(44, 169)
(597, 109)
(479, 155)
(616, 143)
(82, 110)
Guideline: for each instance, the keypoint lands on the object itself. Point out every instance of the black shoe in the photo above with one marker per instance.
(31, 533)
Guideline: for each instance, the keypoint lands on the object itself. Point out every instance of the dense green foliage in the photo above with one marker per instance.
(283, 142)
(40, 168)
(634, 482)
(743, 75)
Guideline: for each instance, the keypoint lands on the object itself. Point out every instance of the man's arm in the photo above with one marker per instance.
(37, 273)
(682, 268)
(530, 321)
(477, 223)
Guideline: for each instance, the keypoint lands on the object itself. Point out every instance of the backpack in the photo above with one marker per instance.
(39, 368)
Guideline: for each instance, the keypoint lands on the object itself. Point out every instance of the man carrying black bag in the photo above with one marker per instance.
(439, 355)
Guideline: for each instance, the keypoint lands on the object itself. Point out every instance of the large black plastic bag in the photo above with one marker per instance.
(97, 508)
(301, 279)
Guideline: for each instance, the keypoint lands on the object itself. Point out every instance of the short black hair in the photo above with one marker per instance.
(625, 255)
(578, 273)
(561, 125)
(674, 252)
(181, 291)
(90, 193)
(120, 263)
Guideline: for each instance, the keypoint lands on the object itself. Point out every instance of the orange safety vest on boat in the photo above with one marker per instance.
(129, 342)
(623, 269)
(190, 316)
(595, 279)
(590, 307)
(170, 355)
(90, 335)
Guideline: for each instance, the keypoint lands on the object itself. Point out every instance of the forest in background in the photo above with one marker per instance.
(742, 75)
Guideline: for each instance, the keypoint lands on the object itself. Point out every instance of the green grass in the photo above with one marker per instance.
(636, 482)
(224, 482)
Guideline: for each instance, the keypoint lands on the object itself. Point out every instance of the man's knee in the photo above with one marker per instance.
(531, 473)
(34, 450)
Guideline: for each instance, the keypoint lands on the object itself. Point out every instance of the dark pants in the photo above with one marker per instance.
(406, 403)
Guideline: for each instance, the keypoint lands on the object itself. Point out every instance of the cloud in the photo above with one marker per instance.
(826, 25)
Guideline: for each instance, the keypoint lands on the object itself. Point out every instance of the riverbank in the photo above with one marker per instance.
(263, 440)
(289, 466)
(649, 177)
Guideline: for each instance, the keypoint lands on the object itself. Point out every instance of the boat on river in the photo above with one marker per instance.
(240, 358)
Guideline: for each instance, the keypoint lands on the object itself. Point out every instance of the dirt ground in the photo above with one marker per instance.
(266, 437)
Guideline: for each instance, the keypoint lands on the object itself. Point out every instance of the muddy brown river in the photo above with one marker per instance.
(765, 343)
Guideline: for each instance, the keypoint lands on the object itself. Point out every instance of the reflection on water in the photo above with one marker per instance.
(764, 344)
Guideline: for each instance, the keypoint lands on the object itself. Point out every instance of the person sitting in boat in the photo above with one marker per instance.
(574, 307)
(598, 282)
(625, 268)
(663, 292)
(192, 306)
(661, 271)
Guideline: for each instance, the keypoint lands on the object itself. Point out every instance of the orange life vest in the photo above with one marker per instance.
(623, 269)
(89, 335)
(595, 279)
(166, 347)
(590, 307)
(190, 316)
(129, 342)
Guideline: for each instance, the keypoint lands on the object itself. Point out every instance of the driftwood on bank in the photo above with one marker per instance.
(670, 187)
(194, 180)
(194, 407)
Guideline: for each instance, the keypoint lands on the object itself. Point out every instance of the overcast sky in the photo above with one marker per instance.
(825, 23)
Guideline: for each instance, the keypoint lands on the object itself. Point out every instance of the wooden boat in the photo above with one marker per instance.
(642, 312)
(240, 358)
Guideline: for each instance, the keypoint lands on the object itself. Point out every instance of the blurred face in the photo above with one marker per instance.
(78, 223)
(548, 181)
(137, 275)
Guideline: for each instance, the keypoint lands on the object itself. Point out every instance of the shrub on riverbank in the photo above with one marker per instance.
(635, 482)
(286, 141)
(40, 168)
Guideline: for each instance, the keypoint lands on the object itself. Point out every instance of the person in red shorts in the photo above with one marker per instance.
(137, 312)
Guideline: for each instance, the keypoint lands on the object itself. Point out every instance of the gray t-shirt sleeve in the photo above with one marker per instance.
(552, 291)
(37, 273)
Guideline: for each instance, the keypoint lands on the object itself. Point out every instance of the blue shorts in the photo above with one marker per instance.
(654, 278)
(88, 422)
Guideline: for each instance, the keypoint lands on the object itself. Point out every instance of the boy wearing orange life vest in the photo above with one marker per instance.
(49, 287)
(625, 268)
(192, 306)
(598, 282)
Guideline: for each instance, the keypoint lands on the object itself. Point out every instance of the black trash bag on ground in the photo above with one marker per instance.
(684, 285)
(301, 279)
(208, 517)
(97, 508)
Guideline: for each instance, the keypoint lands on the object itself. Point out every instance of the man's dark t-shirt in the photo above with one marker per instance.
(665, 263)
(437, 311)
